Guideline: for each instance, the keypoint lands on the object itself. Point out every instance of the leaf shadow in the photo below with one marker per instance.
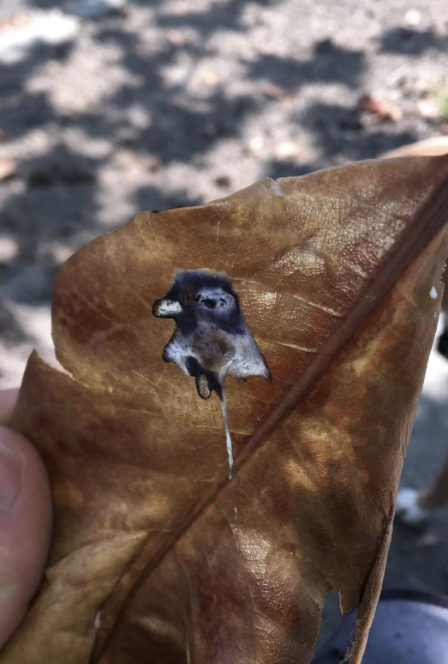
(409, 41)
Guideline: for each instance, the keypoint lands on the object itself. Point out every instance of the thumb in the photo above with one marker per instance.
(25, 527)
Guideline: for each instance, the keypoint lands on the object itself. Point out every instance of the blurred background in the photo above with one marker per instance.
(110, 107)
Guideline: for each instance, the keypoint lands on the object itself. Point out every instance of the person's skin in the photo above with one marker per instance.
(25, 521)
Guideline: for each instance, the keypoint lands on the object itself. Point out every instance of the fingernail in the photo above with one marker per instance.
(10, 478)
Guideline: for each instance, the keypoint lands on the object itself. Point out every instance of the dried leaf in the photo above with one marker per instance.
(157, 555)
(382, 109)
(431, 147)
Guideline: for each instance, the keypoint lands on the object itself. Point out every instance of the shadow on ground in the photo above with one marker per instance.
(53, 196)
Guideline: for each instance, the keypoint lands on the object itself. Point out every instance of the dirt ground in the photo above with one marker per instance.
(108, 108)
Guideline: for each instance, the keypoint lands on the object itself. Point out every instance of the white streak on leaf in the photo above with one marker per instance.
(97, 621)
(226, 429)
(276, 188)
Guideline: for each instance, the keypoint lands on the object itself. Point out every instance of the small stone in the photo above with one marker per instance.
(177, 38)
(428, 108)
(256, 145)
(286, 150)
(209, 79)
(412, 18)
(8, 249)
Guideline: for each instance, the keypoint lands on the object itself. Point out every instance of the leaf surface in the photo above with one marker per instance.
(157, 556)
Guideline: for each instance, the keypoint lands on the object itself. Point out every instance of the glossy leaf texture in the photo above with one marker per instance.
(157, 556)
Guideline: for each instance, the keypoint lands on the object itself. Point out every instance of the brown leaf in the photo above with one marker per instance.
(157, 555)
(382, 109)
(431, 147)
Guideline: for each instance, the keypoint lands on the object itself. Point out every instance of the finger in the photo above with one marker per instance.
(25, 527)
(8, 400)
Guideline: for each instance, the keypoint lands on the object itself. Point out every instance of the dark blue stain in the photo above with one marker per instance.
(211, 339)
(220, 312)
(196, 370)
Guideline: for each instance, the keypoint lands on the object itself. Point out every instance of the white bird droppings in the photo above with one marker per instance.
(433, 292)
(97, 621)
(226, 429)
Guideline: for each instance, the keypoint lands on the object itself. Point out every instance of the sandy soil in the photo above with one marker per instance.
(108, 108)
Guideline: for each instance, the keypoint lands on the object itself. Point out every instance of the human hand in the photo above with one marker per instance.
(25, 521)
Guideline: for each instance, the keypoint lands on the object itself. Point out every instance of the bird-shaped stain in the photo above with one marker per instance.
(211, 340)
